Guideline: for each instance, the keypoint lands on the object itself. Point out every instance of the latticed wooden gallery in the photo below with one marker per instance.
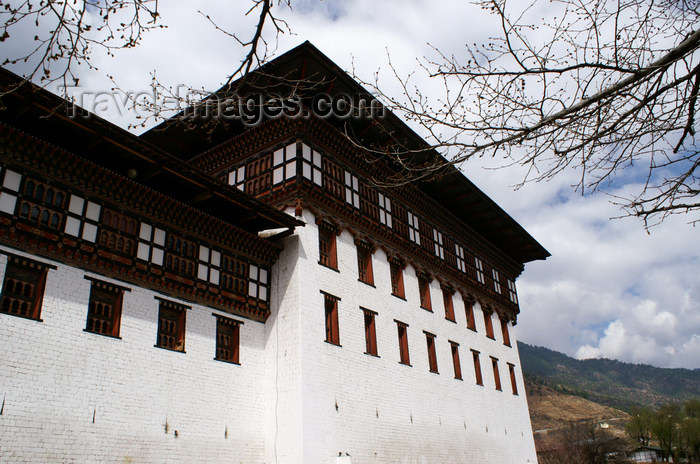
(244, 284)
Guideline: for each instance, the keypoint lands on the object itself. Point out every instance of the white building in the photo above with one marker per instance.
(151, 313)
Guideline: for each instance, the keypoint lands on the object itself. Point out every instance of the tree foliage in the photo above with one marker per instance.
(581, 443)
(639, 426)
(674, 427)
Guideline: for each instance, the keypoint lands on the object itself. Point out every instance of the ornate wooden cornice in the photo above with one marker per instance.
(29, 154)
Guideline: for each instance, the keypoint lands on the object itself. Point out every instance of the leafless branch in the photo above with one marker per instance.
(603, 87)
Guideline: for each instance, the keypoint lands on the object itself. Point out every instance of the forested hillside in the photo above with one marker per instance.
(608, 382)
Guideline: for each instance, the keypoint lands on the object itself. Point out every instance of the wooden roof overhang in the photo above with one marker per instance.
(38, 112)
(304, 71)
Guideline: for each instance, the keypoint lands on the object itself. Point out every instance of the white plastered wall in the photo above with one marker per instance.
(72, 396)
(375, 409)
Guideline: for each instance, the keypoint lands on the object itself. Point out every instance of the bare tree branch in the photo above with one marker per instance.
(603, 87)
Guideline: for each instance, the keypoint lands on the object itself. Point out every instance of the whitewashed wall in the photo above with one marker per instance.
(294, 398)
(54, 377)
(377, 410)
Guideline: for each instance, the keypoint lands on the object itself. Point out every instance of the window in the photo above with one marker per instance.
(83, 218)
(237, 178)
(117, 232)
(151, 244)
(513, 385)
(171, 325)
(496, 375)
(459, 254)
(326, 245)
(424, 292)
(236, 275)
(364, 262)
(370, 333)
(181, 256)
(312, 165)
(487, 324)
(8, 190)
(258, 282)
(352, 190)
(105, 308)
(511, 291)
(396, 270)
(403, 343)
(455, 360)
(23, 287)
(469, 310)
(209, 268)
(228, 336)
(413, 228)
(437, 241)
(496, 283)
(432, 357)
(284, 164)
(504, 329)
(331, 311)
(479, 270)
(384, 210)
(41, 204)
(449, 305)
(477, 367)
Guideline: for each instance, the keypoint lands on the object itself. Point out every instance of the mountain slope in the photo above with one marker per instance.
(608, 382)
(550, 409)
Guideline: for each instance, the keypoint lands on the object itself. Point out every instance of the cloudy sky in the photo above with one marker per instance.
(609, 289)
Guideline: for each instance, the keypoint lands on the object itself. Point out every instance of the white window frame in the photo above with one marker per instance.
(496, 282)
(151, 245)
(82, 218)
(258, 282)
(11, 181)
(511, 291)
(209, 265)
(439, 248)
(479, 264)
(352, 189)
(312, 165)
(237, 178)
(384, 210)
(284, 164)
(413, 228)
(459, 254)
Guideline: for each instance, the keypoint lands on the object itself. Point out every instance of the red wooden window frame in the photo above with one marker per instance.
(228, 339)
(424, 292)
(496, 373)
(105, 308)
(449, 305)
(330, 304)
(404, 357)
(171, 325)
(396, 270)
(432, 355)
(469, 311)
(23, 287)
(454, 346)
(506, 333)
(477, 368)
(488, 324)
(370, 332)
(328, 255)
(513, 384)
(364, 263)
